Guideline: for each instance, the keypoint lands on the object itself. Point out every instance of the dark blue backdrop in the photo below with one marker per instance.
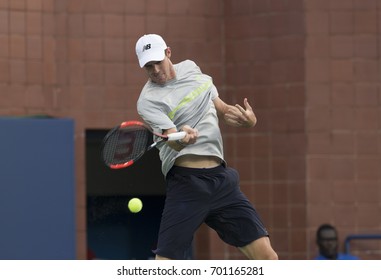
(37, 194)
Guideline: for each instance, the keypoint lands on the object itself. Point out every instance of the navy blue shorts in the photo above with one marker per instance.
(210, 195)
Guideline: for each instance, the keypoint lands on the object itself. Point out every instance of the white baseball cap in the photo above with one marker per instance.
(150, 47)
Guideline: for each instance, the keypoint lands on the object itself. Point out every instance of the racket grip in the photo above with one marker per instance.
(176, 136)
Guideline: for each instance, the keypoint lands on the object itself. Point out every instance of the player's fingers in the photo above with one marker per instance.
(243, 115)
(193, 133)
(240, 108)
(247, 107)
(187, 128)
(247, 104)
(196, 132)
(191, 136)
(234, 111)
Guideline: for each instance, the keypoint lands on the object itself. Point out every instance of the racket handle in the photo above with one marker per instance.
(176, 136)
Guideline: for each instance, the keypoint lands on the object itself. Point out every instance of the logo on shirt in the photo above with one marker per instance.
(146, 47)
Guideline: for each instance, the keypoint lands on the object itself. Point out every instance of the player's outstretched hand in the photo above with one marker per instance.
(241, 117)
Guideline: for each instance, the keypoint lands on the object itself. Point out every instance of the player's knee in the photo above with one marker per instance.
(157, 257)
(260, 249)
(268, 254)
(271, 256)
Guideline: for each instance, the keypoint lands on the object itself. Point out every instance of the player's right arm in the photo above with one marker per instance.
(235, 115)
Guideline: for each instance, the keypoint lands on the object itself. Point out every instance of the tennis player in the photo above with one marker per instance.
(200, 187)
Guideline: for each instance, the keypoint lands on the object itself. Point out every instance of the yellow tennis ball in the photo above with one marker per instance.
(135, 205)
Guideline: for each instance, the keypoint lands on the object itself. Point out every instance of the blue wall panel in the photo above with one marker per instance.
(37, 189)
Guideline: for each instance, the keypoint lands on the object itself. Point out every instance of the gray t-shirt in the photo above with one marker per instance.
(186, 99)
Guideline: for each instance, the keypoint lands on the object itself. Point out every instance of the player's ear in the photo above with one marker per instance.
(168, 52)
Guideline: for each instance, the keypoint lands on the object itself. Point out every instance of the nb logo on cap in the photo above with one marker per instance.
(146, 47)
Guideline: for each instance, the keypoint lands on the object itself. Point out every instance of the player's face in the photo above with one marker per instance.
(328, 244)
(160, 72)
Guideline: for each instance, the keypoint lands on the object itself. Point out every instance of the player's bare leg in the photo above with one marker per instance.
(259, 249)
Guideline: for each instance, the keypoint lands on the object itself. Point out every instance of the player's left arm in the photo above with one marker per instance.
(235, 115)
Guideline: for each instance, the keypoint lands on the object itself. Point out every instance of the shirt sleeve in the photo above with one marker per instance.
(213, 92)
(154, 116)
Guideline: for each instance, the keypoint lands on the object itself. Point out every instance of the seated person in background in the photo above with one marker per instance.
(327, 240)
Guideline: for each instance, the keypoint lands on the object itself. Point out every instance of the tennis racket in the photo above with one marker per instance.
(126, 143)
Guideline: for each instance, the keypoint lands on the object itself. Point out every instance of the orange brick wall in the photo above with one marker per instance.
(265, 42)
(309, 68)
(343, 117)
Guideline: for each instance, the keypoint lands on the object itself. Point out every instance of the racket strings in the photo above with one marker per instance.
(125, 144)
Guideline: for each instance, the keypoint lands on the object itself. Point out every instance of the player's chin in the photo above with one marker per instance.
(160, 80)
